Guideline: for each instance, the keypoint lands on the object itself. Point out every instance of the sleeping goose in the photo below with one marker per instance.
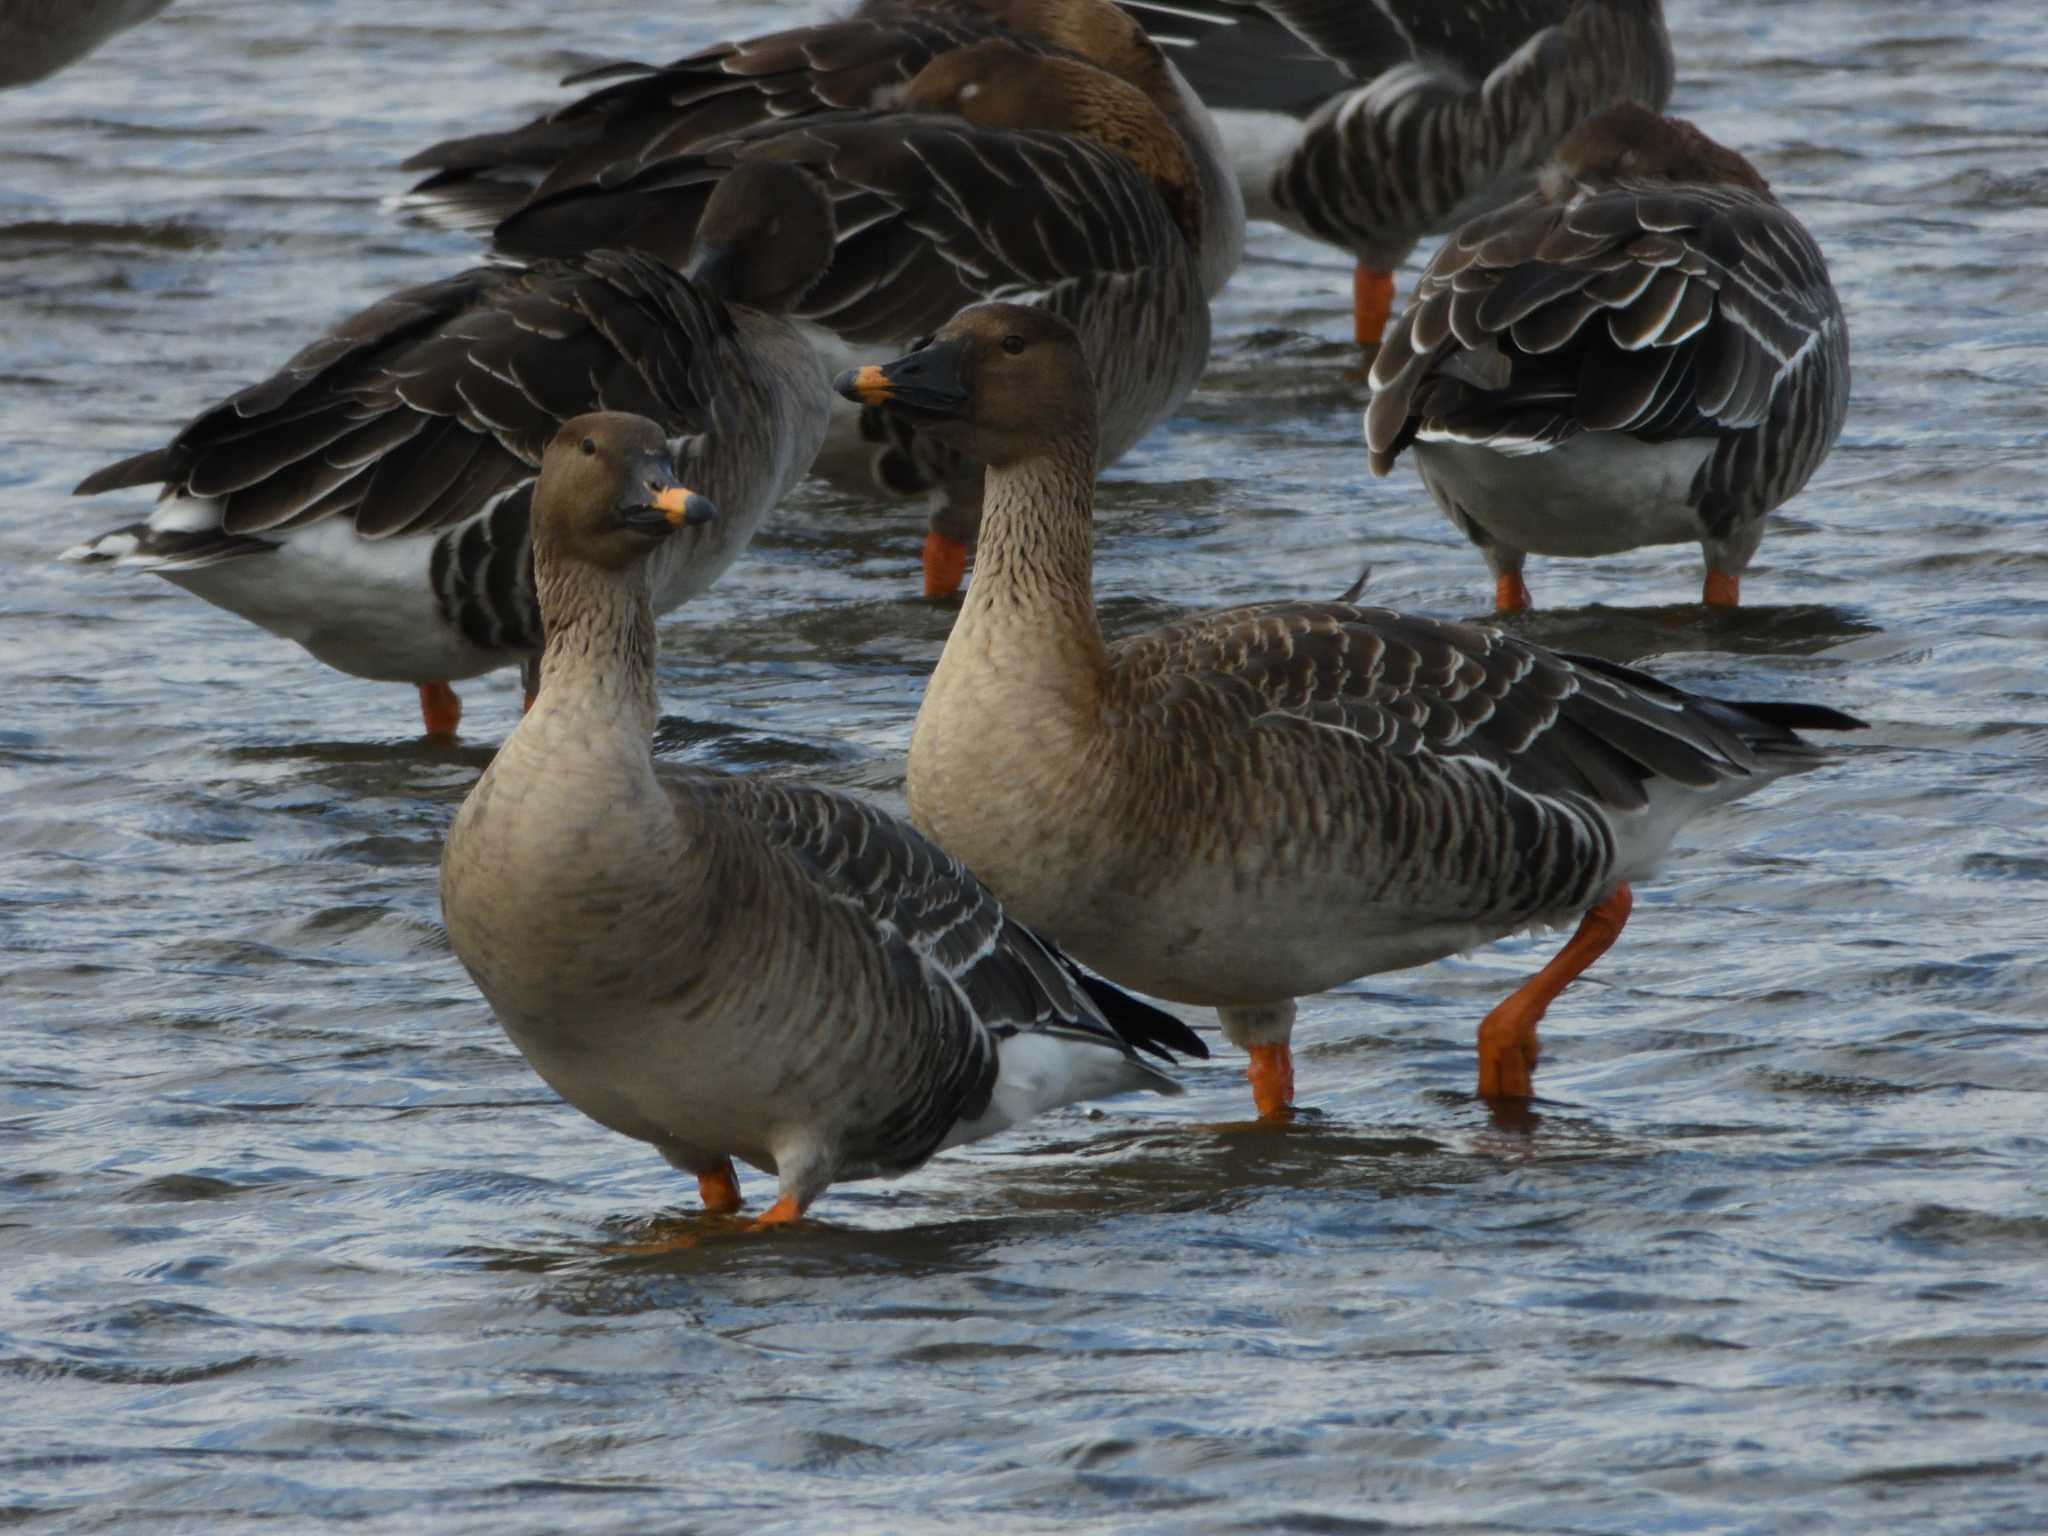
(725, 968)
(1261, 802)
(40, 37)
(1644, 350)
(1003, 172)
(371, 500)
(1419, 113)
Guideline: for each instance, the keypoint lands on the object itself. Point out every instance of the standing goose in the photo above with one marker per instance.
(371, 500)
(1262, 802)
(1001, 172)
(729, 969)
(1645, 350)
(1420, 113)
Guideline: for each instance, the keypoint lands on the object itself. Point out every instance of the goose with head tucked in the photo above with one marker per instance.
(998, 171)
(1262, 802)
(726, 968)
(371, 501)
(1372, 124)
(1645, 350)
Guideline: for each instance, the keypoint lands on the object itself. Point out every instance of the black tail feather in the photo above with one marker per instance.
(1137, 1023)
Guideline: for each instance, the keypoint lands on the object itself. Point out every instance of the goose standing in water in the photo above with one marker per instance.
(1645, 350)
(371, 500)
(730, 969)
(1420, 113)
(1058, 160)
(1267, 801)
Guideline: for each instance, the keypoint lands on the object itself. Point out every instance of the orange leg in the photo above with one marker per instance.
(526, 703)
(1510, 593)
(1507, 1037)
(783, 1213)
(945, 564)
(1272, 1078)
(1722, 591)
(440, 709)
(720, 1189)
(1372, 305)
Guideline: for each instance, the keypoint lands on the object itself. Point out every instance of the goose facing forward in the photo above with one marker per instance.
(729, 969)
(371, 500)
(1645, 350)
(1419, 115)
(1263, 802)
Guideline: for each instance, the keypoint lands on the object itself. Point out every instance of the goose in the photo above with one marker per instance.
(1262, 802)
(1419, 114)
(999, 169)
(40, 37)
(371, 500)
(1644, 350)
(728, 968)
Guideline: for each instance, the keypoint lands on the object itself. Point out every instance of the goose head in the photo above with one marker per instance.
(1000, 381)
(608, 493)
(765, 237)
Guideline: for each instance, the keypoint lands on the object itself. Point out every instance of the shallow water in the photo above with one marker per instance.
(289, 1234)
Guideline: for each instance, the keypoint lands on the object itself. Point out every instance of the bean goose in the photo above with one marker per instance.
(996, 171)
(40, 37)
(1266, 801)
(723, 968)
(1419, 114)
(371, 500)
(1644, 350)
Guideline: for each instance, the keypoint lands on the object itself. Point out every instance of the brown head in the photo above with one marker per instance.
(999, 85)
(608, 493)
(1097, 30)
(1004, 382)
(765, 236)
(1627, 142)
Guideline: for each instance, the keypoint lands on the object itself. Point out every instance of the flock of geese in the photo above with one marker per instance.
(964, 251)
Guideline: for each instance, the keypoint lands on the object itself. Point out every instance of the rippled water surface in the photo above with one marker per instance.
(289, 1234)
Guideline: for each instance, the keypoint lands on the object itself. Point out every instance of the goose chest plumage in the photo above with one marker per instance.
(730, 969)
(1371, 124)
(1266, 801)
(371, 501)
(1040, 150)
(1645, 350)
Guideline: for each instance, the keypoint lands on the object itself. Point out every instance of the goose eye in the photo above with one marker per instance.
(1013, 345)
(589, 447)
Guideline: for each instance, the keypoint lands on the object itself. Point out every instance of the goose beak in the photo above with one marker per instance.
(924, 384)
(655, 503)
(714, 266)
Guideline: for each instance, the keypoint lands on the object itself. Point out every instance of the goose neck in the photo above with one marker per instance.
(1034, 577)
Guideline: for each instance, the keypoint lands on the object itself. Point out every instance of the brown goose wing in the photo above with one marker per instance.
(414, 414)
(1663, 312)
(643, 113)
(1434, 693)
(933, 213)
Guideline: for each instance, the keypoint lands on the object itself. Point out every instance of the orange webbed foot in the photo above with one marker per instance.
(1508, 1047)
(785, 1212)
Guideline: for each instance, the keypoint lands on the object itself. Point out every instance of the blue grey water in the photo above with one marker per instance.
(290, 1235)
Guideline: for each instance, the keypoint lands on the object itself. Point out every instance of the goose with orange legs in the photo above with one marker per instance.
(727, 968)
(1262, 802)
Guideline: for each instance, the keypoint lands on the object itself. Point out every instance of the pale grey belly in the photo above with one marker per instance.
(1597, 494)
